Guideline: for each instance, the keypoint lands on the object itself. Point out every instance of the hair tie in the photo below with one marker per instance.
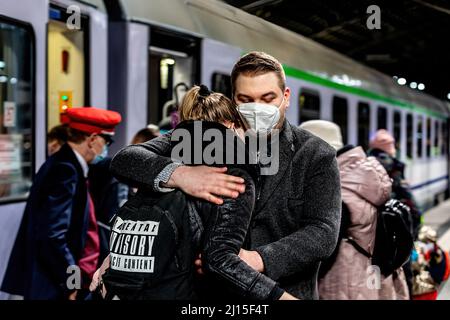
(204, 91)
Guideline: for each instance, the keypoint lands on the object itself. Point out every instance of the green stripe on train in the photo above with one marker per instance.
(303, 75)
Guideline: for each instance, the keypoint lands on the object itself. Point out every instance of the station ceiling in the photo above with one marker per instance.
(413, 42)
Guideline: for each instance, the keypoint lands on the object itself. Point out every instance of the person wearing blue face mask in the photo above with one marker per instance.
(296, 217)
(102, 156)
(58, 233)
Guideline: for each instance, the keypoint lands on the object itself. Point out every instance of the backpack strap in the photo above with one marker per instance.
(326, 265)
(345, 224)
(358, 247)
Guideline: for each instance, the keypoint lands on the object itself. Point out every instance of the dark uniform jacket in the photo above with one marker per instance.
(52, 233)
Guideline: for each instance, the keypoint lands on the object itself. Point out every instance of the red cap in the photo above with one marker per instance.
(93, 120)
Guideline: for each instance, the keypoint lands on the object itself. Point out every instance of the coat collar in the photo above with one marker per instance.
(66, 154)
(82, 163)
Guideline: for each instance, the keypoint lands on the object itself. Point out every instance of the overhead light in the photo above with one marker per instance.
(401, 81)
(448, 96)
(13, 80)
(346, 80)
(421, 86)
(168, 61)
(395, 78)
(3, 79)
(413, 85)
(2, 64)
(166, 52)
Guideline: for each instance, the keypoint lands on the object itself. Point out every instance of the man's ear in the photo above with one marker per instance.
(287, 95)
(91, 139)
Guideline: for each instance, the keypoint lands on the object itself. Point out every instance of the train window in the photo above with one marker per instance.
(221, 83)
(436, 149)
(309, 103)
(409, 136)
(397, 128)
(382, 118)
(363, 124)
(419, 136)
(428, 137)
(340, 115)
(444, 137)
(16, 100)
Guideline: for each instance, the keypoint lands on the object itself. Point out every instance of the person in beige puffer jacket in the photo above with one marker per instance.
(365, 185)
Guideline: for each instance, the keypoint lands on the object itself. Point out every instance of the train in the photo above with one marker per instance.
(137, 57)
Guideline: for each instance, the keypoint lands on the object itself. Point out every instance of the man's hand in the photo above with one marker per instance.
(253, 259)
(206, 183)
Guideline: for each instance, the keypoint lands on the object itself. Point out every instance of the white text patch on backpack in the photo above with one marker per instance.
(131, 245)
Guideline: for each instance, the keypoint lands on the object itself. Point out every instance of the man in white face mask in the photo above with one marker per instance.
(262, 99)
(297, 212)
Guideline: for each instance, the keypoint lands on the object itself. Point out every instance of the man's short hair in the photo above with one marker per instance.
(76, 136)
(58, 133)
(257, 63)
(143, 135)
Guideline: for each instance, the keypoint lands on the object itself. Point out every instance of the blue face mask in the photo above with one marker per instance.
(101, 156)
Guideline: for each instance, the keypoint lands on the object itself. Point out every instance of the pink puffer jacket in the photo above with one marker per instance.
(365, 185)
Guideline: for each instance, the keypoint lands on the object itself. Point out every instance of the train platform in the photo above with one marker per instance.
(439, 219)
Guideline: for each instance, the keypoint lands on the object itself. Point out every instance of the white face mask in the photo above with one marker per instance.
(261, 117)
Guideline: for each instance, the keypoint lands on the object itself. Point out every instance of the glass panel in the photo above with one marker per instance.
(221, 83)
(363, 124)
(309, 104)
(437, 133)
(382, 118)
(428, 137)
(397, 128)
(444, 141)
(340, 116)
(16, 99)
(409, 136)
(419, 136)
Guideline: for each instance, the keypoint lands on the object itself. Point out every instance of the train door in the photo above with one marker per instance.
(67, 65)
(173, 69)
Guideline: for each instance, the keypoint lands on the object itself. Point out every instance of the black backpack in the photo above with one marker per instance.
(393, 240)
(152, 249)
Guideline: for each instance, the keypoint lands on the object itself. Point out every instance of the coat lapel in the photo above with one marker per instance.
(270, 182)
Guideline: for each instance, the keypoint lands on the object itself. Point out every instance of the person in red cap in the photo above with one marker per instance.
(56, 250)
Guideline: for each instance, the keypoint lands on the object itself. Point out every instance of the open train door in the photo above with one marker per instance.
(76, 57)
(173, 68)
